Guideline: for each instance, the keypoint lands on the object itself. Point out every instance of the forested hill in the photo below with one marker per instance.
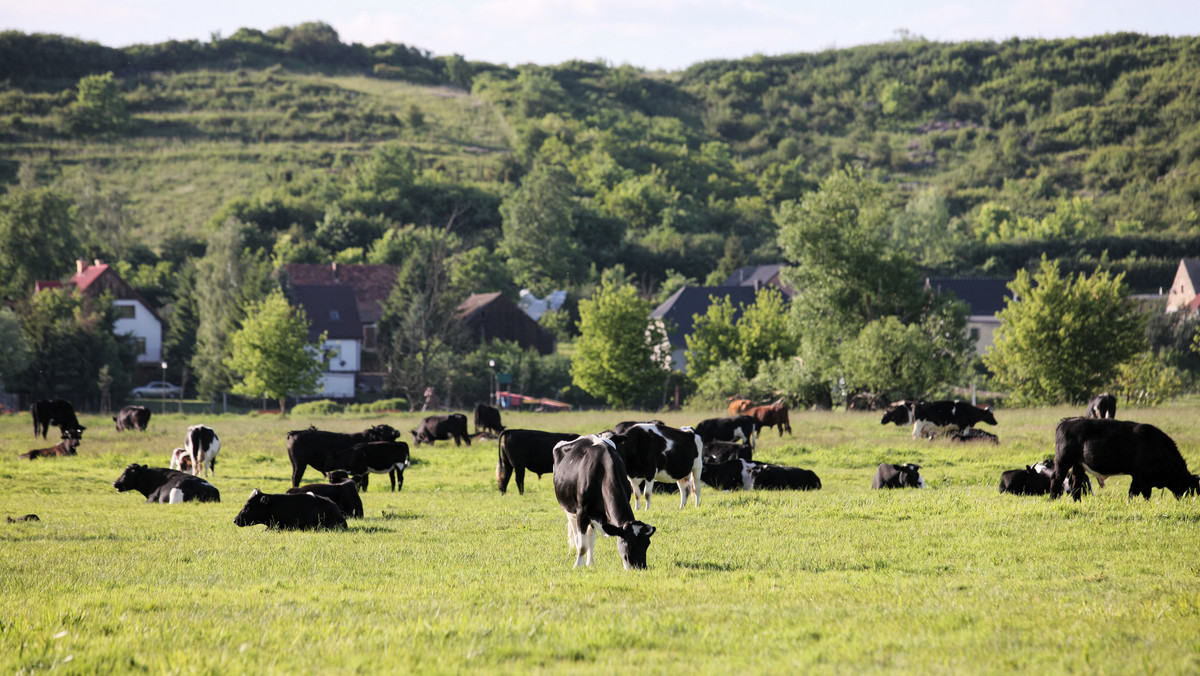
(994, 152)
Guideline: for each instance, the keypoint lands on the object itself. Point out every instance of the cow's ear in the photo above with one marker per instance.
(255, 493)
(612, 530)
(650, 530)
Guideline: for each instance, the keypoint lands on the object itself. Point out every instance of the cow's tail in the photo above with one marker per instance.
(504, 468)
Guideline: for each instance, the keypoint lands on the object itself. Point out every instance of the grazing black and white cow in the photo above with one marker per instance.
(971, 435)
(1105, 447)
(71, 439)
(201, 445)
(722, 451)
(170, 486)
(311, 446)
(442, 428)
(487, 420)
(592, 487)
(899, 414)
(522, 450)
(57, 412)
(935, 417)
(132, 418)
(1102, 406)
(742, 428)
(907, 475)
(727, 475)
(777, 477)
(344, 494)
(282, 511)
(674, 454)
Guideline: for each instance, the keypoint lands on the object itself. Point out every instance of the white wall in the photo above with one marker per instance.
(346, 355)
(339, 385)
(143, 325)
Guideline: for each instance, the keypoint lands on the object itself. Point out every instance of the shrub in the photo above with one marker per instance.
(318, 407)
(394, 404)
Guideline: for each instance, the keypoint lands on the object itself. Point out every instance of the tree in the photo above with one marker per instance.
(1063, 339)
(539, 227)
(100, 107)
(37, 240)
(14, 349)
(763, 333)
(271, 354)
(713, 340)
(619, 354)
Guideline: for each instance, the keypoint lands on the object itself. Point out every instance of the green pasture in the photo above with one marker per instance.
(449, 576)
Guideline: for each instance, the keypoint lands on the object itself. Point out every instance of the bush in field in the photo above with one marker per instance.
(319, 407)
(393, 404)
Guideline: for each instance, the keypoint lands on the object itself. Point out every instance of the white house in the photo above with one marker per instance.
(135, 318)
(333, 311)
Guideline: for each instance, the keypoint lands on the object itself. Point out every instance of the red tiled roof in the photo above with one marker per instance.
(82, 280)
(371, 282)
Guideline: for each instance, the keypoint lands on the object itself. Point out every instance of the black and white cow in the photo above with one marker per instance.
(936, 417)
(777, 477)
(282, 511)
(170, 486)
(1105, 447)
(742, 428)
(71, 439)
(58, 412)
(623, 427)
(442, 428)
(201, 445)
(676, 454)
(487, 420)
(132, 418)
(721, 451)
(592, 487)
(1035, 480)
(907, 475)
(344, 494)
(727, 475)
(181, 460)
(522, 450)
(309, 448)
(899, 414)
(362, 460)
(1102, 406)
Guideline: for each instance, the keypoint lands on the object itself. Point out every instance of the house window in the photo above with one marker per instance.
(139, 346)
(369, 337)
(975, 333)
(334, 316)
(126, 311)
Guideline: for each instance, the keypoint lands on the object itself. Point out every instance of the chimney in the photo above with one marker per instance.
(335, 279)
(80, 266)
(97, 262)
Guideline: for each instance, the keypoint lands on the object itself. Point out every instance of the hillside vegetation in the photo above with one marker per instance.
(996, 151)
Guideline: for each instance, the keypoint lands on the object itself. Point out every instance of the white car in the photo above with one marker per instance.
(158, 388)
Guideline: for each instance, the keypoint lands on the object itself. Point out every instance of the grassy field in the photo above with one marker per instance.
(450, 576)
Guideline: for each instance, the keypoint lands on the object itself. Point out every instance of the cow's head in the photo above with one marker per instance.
(254, 511)
(129, 478)
(383, 433)
(71, 439)
(986, 415)
(899, 415)
(634, 540)
(910, 476)
(1189, 485)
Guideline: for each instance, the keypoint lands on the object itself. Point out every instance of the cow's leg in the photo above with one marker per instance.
(647, 491)
(520, 477)
(366, 480)
(297, 473)
(573, 536)
(504, 472)
(588, 538)
(695, 479)
(467, 438)
(1077, 483)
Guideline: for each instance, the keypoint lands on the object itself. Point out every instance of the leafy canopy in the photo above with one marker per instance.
(271, 354)
(618, 356)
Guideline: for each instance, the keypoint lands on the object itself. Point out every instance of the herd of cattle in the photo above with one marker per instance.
(601, 478)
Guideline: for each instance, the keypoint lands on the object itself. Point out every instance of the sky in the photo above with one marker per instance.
(651, 34)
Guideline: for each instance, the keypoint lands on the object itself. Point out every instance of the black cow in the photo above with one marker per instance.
(934, 417)
(898, 476)
(487, 418)
(372, 457)
(201, 446)
(728, 475)
(160, 484)
(656, 452)
(290, 512)
(442, 428)
(970, 435)
(1105, 447)
(70, 441)
(309, 447)
(58, 412)
(132, 418)
(777, 477)
(1102, 406)
(740, 428)
(722, 451)
(591, 485)
(344, 494)
(522, 450)
(1028, 481)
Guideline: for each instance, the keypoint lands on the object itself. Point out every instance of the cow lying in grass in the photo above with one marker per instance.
(289, 512)
(169, 486)
(71, 438)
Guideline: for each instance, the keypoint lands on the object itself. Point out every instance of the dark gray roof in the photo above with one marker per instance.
(756, 276)
(694, 300)
(330, 309)
(983, 295)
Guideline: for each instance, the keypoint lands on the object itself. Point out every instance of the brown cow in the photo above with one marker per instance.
(771, 415)
(738, 406)
(70, 441)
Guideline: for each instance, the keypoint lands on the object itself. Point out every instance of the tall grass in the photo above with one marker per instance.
(450, 576)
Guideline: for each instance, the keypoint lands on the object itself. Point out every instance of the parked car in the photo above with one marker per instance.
(159, 388)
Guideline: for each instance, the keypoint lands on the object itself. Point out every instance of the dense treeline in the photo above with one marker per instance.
(291, 146)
